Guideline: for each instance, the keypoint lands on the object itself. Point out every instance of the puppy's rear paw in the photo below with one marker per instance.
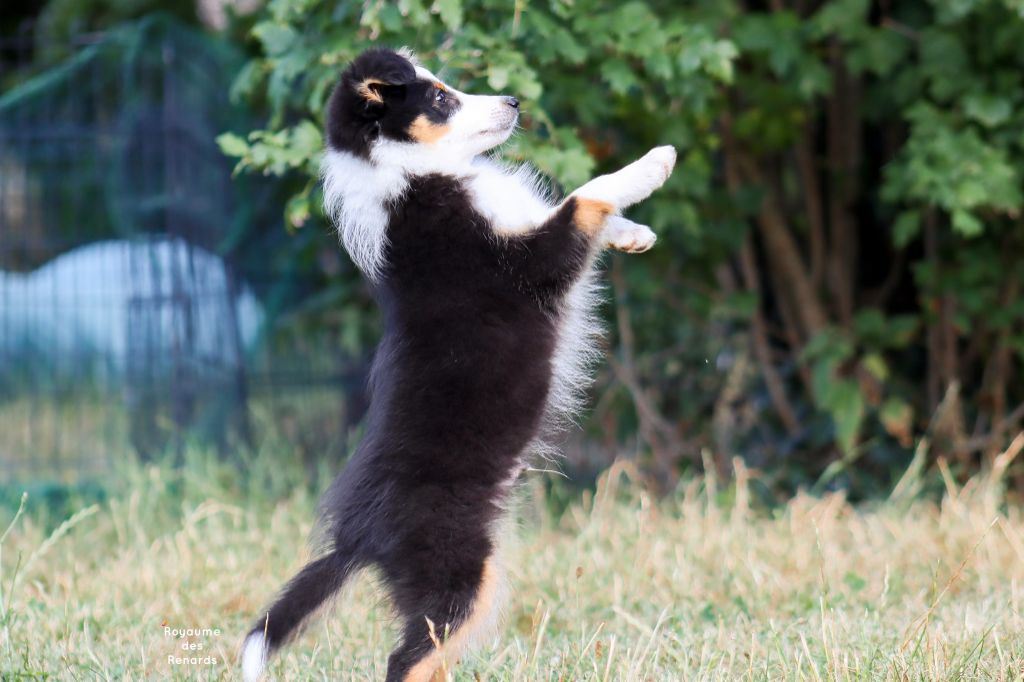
(625, 235)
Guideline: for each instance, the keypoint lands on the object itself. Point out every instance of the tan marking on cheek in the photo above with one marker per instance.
(422, 130)
(433, 666)
(590, 215)
(368, 93)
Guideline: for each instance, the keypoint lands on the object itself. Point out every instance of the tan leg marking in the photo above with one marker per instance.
(366, 92)
(590, 214)
(422, 130)
(433, 666)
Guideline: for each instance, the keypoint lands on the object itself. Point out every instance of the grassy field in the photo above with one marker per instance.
(74, 435)
(621, 587)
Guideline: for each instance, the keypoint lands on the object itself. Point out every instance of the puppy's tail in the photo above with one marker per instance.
(305, 592)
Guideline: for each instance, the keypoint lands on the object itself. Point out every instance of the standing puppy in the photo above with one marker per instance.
(486, 291)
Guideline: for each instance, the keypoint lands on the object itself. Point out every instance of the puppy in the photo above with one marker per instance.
(487, 292)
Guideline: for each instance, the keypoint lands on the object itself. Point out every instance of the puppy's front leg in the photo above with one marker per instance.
(551, 257)
(623, 234)
(633, 183)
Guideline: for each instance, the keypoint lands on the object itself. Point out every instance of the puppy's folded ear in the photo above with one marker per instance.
(379, 77)
(373, 85)
(377, 92)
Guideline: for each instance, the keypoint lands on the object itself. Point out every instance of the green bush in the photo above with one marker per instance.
(840, 246)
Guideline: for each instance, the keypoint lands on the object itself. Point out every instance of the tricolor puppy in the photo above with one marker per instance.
(487, 291)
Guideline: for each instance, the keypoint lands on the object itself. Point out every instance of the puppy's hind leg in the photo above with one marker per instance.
(445, 612)
(310, 588)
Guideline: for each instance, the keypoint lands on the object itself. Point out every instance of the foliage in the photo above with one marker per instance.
(840, 246)
(62, 20)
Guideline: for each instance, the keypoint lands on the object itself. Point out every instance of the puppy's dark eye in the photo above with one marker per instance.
(440, 97)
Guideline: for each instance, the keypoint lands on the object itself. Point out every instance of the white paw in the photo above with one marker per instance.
(625, 235)
(659, 162)
(635, 182)
(254, 657)
(640, 179)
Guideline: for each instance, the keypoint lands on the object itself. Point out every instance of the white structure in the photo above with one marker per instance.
(113, 305)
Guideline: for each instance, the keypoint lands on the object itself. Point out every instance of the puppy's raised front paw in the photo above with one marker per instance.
(633, 183)
(639, 179)
(663, 159)
(625, 235)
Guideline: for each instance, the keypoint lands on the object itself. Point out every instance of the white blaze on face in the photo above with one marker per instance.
(480, 123)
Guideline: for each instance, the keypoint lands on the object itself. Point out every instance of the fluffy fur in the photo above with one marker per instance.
(488, 290)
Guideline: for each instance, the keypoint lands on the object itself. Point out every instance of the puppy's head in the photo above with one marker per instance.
(384, 99)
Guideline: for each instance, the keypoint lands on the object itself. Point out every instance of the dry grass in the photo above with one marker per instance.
(621, 588)
(76, 436)
(67, 438)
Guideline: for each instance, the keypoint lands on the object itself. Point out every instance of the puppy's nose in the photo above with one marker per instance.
(512, 102)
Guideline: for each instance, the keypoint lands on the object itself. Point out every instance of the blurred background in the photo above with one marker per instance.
(835, 293)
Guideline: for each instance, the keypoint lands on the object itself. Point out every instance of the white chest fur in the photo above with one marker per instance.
(514, 200)
(358, 193)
